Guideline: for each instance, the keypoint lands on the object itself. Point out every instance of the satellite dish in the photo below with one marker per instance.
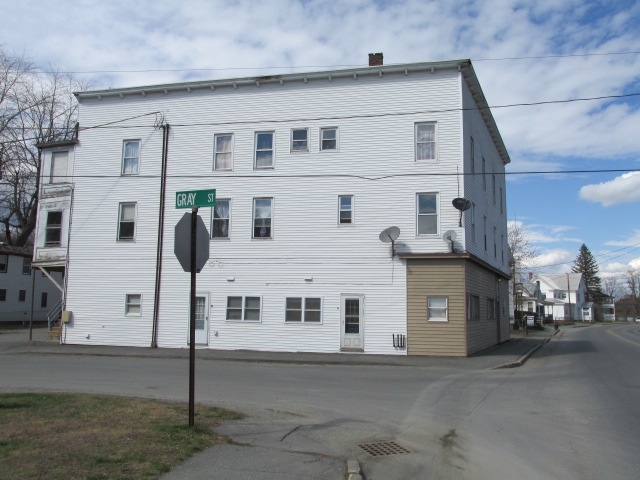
(449, 236)
(461, 204)
(389, 235)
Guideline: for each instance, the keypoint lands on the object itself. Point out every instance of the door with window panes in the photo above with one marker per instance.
(202, 319)
(352, 322)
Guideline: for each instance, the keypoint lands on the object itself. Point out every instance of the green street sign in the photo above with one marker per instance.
(196, 198)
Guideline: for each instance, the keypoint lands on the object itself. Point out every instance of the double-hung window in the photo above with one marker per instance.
(427, 213)
(303, 310)
(223, 152)
(345, 209)
(262, 217)
(264, 150)
(59, 162)
(473, 307)
(329, 138)
(133, 304)
(437, 309)
(491, 309)
(4, 259)
(26, 266)
(43, 300)
(3, 294)
(53, 230)
(221, 219)
(22, 295)
(299, 140)
(131, 157)
(425, 141)
(127, 221)
(244, 309)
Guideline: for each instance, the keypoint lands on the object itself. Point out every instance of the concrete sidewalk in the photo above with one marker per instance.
(262, 459)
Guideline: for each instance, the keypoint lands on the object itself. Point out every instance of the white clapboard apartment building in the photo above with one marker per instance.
(309, 170)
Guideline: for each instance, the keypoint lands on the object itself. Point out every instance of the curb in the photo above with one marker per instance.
(353, 469)
(524, 357)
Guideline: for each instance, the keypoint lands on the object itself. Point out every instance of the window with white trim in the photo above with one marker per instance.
(303, 310)
(131, 157)
(427, 213)
(59, 165)
(133, 304)
(4, 262)
(223, 152)
(26, 266)
(425, 138)
(244, 309)
(262, 217)
(437, 309)
(264, 150)
(53, 230)
(127, 221)
(345, 209)
(299, 140)
(221, 219)
(329, 138)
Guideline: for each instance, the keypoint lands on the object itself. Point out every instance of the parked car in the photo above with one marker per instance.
(637, 319)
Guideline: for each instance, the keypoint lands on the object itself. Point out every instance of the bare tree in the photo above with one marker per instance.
(40, 108)
(521, 249)
(633, 282)
(613, 288)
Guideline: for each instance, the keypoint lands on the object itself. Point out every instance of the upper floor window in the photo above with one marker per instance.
(264, 150)
(329, 138)
(53, 230)
(303, 310)
(59, 165)
(26, 266)
(345, 207)
(223, 152)
(300, 140)
(262, 217)
(127, 221)
(427, 213)
(22, 295)
(4, 259)
(426, 141)
(221, 218)
(131, 157)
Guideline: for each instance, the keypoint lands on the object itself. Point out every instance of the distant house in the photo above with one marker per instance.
(21, 286)
(565, 296)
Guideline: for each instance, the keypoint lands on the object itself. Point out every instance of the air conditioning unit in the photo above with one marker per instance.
(67, 316)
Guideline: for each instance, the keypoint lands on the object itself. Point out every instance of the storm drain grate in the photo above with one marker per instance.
(383, 448)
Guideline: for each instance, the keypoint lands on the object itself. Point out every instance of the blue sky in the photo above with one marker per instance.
(523, 52)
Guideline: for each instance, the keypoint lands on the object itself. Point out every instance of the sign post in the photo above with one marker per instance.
(198, 256)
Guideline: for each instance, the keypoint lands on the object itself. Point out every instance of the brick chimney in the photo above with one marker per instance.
(375, 59)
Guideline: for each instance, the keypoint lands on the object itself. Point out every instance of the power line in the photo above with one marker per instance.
(636, 245)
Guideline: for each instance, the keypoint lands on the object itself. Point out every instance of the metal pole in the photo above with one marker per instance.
(569, 298)
(33, 294)
(192, 319)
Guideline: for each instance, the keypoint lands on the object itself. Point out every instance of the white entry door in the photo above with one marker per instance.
(202, 319)
(352, 322)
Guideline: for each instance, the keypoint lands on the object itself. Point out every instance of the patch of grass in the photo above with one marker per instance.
(68, 436)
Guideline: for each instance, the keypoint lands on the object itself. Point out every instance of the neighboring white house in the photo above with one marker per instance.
(309, 169)
(18, 281)
(566, 293)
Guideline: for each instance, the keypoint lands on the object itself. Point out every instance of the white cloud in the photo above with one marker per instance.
(553, 261)
(625, 188)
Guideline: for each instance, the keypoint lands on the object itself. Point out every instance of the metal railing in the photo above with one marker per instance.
(54, 314)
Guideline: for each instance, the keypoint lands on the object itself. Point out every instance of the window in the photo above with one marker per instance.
(262, 211)
(133, 304)
(131, 157)
(127, 221)
(501, 201)
(473, 223)
(223, 152)
(473, 307)
(472, 154)
(559, 294)
(485, 232)
(53, 232)
(43, 300)
(299, 140)
(245, 309)
(425, 141)
(3, 294)
(221, 218)
(437, 309)
(494, 187)
(303, 310)
(59, 162)
(3, 263)
(427, 214)
(495, 242)
(491, 309)
(484, 174)
(264, 150)
(22, 295)
(345, 209)
(329, 138)
(26, 266)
